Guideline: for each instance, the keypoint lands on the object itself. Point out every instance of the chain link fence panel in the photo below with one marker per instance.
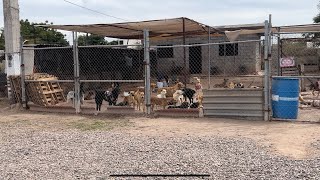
(296, 57)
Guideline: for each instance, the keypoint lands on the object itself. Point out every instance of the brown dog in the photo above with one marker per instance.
(163, 102)
(171, 90)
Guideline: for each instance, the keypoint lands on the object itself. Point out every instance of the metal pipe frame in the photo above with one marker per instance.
(184, 51)
(147, 71)
(107, 81)
(269, 67)
(279, 54)
(76, 73)
(110, 46)
(61, 81)
(315, 77)
(209, 58)
(266, 88)
(193, 45)
(47, 48)
(23, 76)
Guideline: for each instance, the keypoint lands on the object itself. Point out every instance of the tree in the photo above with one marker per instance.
(38, 35)
(92, 39)
(317, 18)
(1, 39)
(41, 35)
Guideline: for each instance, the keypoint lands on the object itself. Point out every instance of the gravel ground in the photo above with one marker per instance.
(97, 154)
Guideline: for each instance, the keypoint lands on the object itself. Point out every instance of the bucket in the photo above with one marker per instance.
(160, 84)
(285, 98)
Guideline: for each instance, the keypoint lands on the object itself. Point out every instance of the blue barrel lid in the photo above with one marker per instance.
(284, 78)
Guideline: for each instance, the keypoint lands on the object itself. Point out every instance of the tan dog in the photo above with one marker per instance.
(171, 90)
(139, 99)
(222, 85)
(232, 85)
(163, 102)
(200, 99)
(129, 98)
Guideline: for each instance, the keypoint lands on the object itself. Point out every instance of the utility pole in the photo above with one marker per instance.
(12, 37)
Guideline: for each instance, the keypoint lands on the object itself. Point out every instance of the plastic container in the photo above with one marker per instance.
(285, 98)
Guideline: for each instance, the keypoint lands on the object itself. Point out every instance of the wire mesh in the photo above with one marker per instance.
(111, 63)
(225, 63)
(296, 54)
(296, 60)
(56, 61)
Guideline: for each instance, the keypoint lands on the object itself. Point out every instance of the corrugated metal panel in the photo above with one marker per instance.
(233, 102)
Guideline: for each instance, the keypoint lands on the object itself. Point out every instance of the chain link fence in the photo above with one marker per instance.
(51, 75)
(218, 65)
(221, 65)
(297, 58)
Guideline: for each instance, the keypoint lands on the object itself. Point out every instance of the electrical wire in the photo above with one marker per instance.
(95, 11)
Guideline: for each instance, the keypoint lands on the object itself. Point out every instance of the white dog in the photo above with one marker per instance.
(178, 97)
(70, 96)
(162, 94)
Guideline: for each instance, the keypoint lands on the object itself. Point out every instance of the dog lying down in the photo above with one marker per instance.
(185, 105)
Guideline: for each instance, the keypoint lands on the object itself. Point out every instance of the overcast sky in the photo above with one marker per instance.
(210, 12)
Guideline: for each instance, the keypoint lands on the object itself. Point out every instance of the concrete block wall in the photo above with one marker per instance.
(248, 55)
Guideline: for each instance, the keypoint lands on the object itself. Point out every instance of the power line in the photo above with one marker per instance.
(95, 11)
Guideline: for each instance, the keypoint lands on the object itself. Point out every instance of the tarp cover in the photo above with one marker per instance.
(157, 28)
(171, 28)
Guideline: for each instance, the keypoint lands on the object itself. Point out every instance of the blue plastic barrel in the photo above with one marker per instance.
(285, 98)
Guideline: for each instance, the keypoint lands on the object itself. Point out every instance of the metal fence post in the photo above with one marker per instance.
(269, 66)
(147, 71)
(209, 58)
(279, 53)
(22, 75)
(76, 73)
(266, 69)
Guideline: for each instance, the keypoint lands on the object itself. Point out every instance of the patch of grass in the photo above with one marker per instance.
(95, 125)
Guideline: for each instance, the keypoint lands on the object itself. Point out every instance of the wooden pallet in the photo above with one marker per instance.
(15, 83)
(45, 93)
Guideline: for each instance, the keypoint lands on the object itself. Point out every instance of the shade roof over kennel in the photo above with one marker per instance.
(175, 27)
(303, 28)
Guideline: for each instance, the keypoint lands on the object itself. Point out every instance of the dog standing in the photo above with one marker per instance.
(188, 94)
(99, 97)
(315, 87)
(138, 97)
(71, 96)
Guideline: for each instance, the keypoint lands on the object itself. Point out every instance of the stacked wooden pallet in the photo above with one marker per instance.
(15, 85)
(43, 91)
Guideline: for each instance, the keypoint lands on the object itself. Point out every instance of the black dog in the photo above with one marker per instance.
(194, 105)
(188, 93)
(100, 96)
(184, 105)
(112, 97)
(315, 86)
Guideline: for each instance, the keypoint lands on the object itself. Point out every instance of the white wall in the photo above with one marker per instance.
(248, 56)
